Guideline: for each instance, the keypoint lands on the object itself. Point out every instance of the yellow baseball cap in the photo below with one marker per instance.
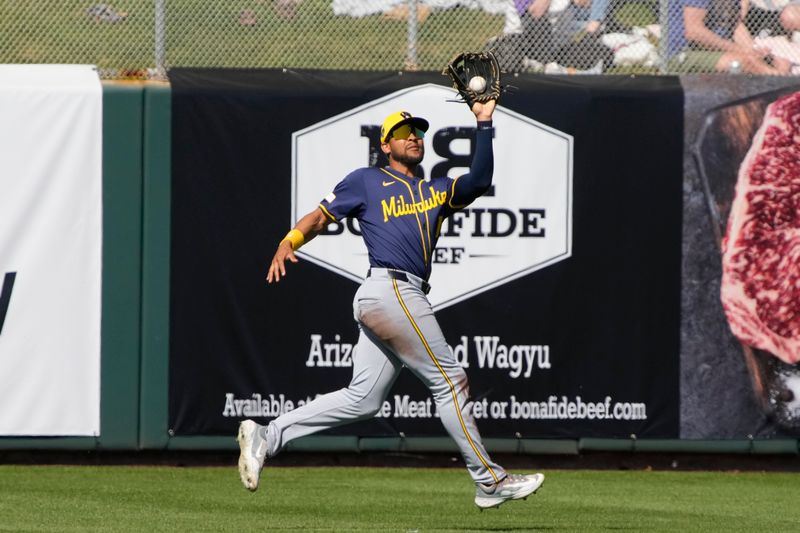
(398, 119)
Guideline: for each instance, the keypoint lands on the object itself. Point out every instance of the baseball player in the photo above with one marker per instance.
(400, 216)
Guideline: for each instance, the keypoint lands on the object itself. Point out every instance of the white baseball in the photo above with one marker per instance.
(477, 84)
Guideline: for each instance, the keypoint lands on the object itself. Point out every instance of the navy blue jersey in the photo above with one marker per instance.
(400, 216)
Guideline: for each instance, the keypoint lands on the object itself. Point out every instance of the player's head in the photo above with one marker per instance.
(401, 137)
(395, 121)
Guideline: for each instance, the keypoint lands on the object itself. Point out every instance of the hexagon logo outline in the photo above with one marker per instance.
(323, 154)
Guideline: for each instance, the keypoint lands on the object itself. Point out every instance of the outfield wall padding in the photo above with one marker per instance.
(138, 173)
(135, 239)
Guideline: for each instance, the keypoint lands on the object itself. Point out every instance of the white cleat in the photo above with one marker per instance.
(512, 487)
(252, 453)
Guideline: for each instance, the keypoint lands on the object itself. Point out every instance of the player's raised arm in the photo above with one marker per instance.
(306, 229)
(476, 77)
(473, 184)
(484, 111)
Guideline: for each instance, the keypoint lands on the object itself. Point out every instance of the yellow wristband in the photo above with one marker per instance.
(295, 237)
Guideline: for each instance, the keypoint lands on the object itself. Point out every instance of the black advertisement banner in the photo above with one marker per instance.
(558, 291)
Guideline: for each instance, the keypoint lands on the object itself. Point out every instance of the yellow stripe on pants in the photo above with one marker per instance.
(449, 383)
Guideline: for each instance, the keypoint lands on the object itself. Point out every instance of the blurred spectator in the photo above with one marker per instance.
(773, 17)
(567, 17)
(773, 24)
(550, 30)
(536, 40)
(590, 14)
(710, 35)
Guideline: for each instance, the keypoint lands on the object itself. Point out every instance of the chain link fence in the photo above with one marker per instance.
(143, 39)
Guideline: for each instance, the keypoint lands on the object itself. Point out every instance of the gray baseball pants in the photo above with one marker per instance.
(398, 328)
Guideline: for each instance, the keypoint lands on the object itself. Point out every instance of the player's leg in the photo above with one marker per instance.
(397, 315)
(373, 376)
(404, 321)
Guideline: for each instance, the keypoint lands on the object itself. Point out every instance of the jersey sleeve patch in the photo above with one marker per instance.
(346, 199)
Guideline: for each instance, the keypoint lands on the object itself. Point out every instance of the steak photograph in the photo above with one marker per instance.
(761, 248)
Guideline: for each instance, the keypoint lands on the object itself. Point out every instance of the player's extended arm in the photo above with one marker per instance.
(479, 178)
(306, 229)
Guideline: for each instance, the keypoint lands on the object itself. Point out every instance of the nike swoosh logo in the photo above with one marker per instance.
(387, 183)
(261, 449)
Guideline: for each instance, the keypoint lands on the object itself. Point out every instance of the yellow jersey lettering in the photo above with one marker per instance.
(388, 209)
(394, 207)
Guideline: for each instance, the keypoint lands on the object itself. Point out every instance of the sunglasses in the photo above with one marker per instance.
(404, 132)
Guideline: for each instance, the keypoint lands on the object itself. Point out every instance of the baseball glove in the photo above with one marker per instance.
(464, 68)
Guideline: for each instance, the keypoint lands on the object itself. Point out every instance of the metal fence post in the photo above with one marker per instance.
(663, 20)
(412, 61)
(160, 39)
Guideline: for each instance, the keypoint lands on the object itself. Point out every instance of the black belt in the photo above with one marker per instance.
(399, 275)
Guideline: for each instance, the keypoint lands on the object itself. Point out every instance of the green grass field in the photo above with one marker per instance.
(141, 498)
